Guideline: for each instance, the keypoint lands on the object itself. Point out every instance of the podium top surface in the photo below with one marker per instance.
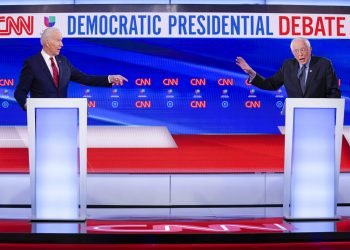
(56, 103)
(315, 102)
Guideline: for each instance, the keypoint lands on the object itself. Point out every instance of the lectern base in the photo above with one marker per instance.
(58, 221)
(311, 219)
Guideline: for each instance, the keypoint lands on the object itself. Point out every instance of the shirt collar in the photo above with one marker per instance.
(306, 64)
(46, 56)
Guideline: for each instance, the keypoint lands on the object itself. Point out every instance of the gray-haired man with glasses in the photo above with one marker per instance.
(304, 75)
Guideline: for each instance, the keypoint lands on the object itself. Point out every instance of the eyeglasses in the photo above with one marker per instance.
(302, 50)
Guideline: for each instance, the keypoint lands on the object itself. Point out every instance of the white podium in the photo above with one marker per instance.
(57, 158)
(313, 138)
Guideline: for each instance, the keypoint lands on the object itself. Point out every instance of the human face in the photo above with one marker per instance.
(54, 44)
(301, 51)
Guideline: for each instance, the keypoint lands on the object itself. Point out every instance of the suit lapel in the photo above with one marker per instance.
(310, 74)
(296, 66)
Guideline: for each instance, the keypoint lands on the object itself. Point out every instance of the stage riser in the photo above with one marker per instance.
(170, 190)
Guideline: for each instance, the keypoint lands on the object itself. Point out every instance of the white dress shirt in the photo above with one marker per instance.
(48, 61)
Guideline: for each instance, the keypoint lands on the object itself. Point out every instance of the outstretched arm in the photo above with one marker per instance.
(272, 83)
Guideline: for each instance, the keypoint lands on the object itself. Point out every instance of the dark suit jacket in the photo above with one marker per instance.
(321, 80)
(37, 80)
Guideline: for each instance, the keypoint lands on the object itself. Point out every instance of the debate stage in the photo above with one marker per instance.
(173, 232)
(192, 191)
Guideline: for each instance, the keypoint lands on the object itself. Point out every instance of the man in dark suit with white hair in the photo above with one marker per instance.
(47, 74)
(304, 76)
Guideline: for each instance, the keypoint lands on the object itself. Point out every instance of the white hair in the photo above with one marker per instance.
(306, 41)
(47, 34)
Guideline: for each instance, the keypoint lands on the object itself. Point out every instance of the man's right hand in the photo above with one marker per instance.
(245, 67)
(117, 79)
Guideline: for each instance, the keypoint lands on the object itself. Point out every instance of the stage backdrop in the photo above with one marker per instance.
(179, 59)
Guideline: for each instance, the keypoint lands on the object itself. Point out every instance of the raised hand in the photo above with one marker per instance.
(245, 66)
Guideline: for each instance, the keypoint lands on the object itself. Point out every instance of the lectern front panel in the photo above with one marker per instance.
(57, 158)
(313, 175)
(313, 142)
(57, 168)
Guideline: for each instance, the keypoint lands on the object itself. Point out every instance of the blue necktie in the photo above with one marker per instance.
(302, 77)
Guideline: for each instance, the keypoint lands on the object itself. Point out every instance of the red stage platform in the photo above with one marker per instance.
(263, 233)
(194, 154)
